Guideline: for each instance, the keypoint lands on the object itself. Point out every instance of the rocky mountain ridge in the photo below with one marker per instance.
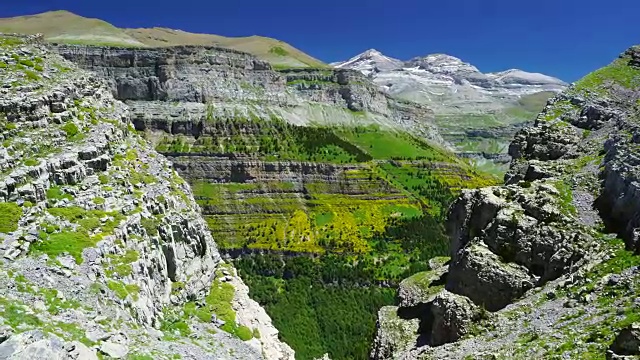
(104, 248)
(535, 269)
(167, 82)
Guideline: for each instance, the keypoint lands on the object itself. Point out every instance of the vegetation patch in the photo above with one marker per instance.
(150, 225)
(123, 290)
(72, 131)
(10, 214)
(312, 316)
(54, 243)
(56, 193)
(278, 50)
(619, 72)
(218, 304)
(272, 139)
(121, 264)
(566, 197)
(104, 179)
(31, 162)
(14, 314)
(56, 305)
(381, 144)
(69, 242)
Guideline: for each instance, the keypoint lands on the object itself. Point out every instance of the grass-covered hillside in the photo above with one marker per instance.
(69, 28)
(322, 221)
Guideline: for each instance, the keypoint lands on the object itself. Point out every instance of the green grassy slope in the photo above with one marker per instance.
(66, 27)
(63, 26)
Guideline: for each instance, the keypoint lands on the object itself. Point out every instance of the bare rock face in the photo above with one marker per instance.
(188, 86)
(621, 192)
(545, 142)
(453, 316)
(507, 240)
(395, 333)
(627, 343)
(482, 276)
(422, 287)
(37, 345)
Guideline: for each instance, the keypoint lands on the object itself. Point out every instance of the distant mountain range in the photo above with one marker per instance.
(449, 85)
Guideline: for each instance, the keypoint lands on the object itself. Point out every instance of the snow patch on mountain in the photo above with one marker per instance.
(447, 84)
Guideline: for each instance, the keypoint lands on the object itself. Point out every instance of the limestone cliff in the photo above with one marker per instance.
(194, 84)
(104, 249)
(535, 268)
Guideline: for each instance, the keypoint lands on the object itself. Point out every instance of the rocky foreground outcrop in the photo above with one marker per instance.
(104, 250)
(535, 270)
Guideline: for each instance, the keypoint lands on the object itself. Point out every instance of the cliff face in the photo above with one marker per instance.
(102, 241)
(209, 82)
(535, 270)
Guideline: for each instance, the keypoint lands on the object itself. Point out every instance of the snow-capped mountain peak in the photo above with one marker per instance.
(442, 64)
(370, 61)
(447, 83)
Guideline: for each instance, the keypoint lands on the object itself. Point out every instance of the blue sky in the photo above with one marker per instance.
(563, 38)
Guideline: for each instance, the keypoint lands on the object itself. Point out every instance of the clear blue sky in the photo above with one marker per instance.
(563, 38)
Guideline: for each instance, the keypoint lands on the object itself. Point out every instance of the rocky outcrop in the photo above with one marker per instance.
(549, 141)
(103, 242)
(422, 287)
(533, 252)
(627, 343)
(481, 275)
(620, 195)
(37, 345)
(529, 226)
(453, 316)
(395, 334)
